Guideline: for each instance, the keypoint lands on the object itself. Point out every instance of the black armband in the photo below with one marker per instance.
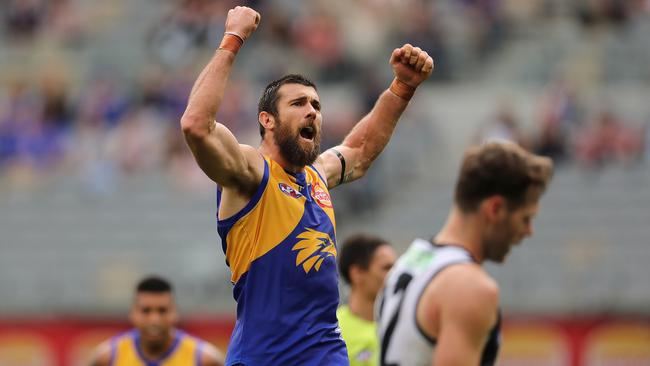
(342, 159)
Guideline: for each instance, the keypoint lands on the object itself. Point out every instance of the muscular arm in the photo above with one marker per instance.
(371, 134)
(467, 314)
(366, 140)
(214, 147)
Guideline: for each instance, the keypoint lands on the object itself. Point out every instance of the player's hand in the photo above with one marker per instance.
(411, 65)
(242, 20)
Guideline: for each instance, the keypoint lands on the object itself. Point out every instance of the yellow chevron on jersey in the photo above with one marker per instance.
(185, 351)
(276, 210)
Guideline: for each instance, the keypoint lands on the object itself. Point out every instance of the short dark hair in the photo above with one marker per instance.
(154, 284)
(358, 250)
(504, 169)
(269, 99)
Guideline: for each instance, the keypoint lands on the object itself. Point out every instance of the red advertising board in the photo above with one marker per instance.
(530, 341)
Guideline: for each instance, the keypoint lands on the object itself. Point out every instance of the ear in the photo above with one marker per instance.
(494, 208)
(355, 274)
(267, 120)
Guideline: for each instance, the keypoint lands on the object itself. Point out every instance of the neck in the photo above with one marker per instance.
(361, 306)
(463, 230)
(273, 151)
(154, 351)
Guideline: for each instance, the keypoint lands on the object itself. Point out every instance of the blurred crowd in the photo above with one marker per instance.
(568, 129)
(102, 123)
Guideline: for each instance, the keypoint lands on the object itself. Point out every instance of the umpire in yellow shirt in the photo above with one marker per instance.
(364, 261)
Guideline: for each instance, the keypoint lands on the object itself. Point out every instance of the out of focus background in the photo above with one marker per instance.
(97, 187)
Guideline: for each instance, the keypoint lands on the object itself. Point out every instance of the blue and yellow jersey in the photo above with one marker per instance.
(185, 351)
(282, 255)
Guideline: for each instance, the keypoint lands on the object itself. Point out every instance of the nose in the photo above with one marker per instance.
(311, 111)
(154, 317)
(529, 230)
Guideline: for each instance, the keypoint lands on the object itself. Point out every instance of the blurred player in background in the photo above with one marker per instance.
(438, 306)
(275, 216)
(364, 261)
(155, 340)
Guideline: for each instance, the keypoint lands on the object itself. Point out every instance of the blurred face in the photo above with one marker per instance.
(298, 125)
(370, 281)
(154, 315)
(511, 229)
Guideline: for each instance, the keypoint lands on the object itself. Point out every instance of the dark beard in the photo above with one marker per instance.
(291, 150)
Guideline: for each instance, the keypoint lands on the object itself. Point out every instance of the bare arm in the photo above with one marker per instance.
(371, 134)
(211, 356)
(467, 314)
(214, 147)
(102, 355)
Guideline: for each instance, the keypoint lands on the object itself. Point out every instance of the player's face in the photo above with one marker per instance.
(154, 315)
(515, 226)
(382, 261)
(298, 129)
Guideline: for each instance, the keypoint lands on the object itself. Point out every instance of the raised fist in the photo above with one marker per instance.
(411, 65)
(242, 21)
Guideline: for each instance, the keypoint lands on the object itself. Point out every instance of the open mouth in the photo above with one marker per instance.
(307, 133)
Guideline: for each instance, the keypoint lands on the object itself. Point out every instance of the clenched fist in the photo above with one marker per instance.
(242, 21)
(411, 65)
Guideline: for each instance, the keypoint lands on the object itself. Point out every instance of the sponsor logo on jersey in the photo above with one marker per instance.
(321, 196)
(313, 247)
(289, 191)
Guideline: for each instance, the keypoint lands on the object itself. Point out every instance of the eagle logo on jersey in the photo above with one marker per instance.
(313, 247)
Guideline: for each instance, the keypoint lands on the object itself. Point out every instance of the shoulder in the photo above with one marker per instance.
(470, 294)
(468, 280)
(253, 156)
(210, 355)
(102, 354)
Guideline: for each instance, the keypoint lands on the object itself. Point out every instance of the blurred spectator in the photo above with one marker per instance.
(425, 30)
(317, 37)
(560, 116)
(57, 112)
(176, 40)
(487, 23)
(23, 18)
(608, 140)
(65, 21)
(598, 12)
(550, 142)
(503, 127)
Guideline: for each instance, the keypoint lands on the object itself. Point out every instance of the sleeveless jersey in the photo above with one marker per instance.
(282, 255)
(402, 341)
(185, 351)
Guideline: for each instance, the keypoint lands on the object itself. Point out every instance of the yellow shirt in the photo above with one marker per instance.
(360, 338)
(125, 351)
